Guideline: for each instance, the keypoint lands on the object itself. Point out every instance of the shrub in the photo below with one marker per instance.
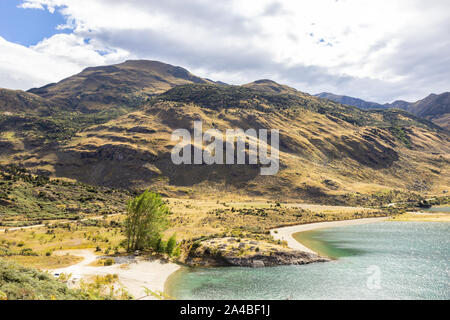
(161, 246)
(21, 283)
(108, 262)
(195, 246)
(177, 252)
(27, 252)
(171, 244)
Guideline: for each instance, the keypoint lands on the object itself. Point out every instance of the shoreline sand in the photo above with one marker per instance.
(135, 273)
(285, 233)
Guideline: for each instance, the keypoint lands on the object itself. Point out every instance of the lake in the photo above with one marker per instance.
(383, 260)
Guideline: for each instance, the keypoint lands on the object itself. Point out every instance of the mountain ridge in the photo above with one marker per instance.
(434, 107)
(127, 83)
(360, 103)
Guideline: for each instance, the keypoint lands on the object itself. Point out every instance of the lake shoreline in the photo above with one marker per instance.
(286, 233)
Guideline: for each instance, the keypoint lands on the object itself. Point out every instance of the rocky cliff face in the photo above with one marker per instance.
(273, 259)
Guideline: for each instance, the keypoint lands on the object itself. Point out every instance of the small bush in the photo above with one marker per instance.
(27, 252)
(108, 262)
(171, 244)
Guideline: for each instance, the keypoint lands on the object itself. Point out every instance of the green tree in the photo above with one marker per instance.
(146, 220)
(160, 246)
(171, 244)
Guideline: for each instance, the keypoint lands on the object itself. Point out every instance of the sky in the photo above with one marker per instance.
(379, 51)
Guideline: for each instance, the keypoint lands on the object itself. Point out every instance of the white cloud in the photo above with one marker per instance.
(74, 49)
(51, 60)
(377, 50)
(22, 68)
(31, 5)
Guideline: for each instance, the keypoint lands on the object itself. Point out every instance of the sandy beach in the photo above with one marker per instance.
(285, 233)
(135, 273)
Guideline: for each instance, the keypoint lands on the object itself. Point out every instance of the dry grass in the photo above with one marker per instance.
(190, 219)
(44, 262)
(422, 216)
(63, 236)
(242, 247)
(321, 157)
(102, 262)
(196, 218)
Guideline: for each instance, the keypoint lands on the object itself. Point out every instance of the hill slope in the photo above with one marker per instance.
(17, 101)
(329, 152)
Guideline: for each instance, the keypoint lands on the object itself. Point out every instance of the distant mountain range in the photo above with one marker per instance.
(435, 107)
(112, 126)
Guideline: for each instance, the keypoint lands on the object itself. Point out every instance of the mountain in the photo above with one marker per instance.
(112, 126)
(350, 101)
(398, 104)
(435, 108)
(13, 101)
(125, 84)
(267, 85)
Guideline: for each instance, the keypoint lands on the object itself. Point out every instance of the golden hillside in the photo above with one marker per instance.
(329, 152)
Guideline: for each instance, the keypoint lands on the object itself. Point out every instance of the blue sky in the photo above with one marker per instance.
(379, 51)
(27, 26)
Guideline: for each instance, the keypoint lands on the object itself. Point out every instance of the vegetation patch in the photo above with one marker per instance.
(23, 283)
(402, 135)
(27, 198)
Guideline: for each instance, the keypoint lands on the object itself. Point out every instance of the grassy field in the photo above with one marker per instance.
(191, 220)
(35, 246)
(197, 218)
(46, 262)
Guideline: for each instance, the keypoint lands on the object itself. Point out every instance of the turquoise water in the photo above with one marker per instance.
(393, 260)
(438, 209)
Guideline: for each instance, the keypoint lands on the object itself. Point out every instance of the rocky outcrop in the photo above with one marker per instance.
(273, 259)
